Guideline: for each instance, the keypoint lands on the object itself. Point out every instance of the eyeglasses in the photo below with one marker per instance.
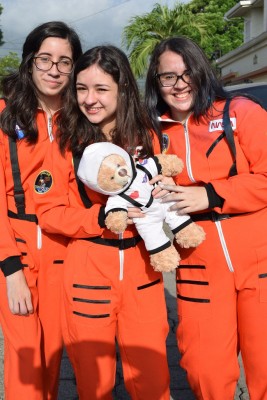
(64, 66)
(168, 79)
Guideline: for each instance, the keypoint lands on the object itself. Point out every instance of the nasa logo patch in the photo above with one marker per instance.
(43, 182)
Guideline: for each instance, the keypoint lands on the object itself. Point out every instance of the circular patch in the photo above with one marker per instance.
(43, 182)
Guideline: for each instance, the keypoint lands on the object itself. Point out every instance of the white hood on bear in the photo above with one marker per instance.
(91, 160)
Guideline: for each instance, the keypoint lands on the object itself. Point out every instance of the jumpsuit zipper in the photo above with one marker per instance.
(51, 138)
(192, 179)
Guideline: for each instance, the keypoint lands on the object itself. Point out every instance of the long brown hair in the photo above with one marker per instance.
(132, 125)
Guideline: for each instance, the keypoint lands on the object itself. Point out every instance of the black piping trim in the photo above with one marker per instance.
(148, 285)
(23, 253)
(193, 299)
(182, 226)
(76, 285)
(185, 266)
(90, 315)
(204, 283)
(132, 201)
(214, 144)
(159, 167)
(142, 168)
(263, 275)
(20, 240)
(58, 262)
(158, 249)
(91, 301)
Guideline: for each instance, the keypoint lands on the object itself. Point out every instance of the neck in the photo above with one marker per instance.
(50, 106)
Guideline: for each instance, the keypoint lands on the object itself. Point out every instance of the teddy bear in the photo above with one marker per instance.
(108, 169)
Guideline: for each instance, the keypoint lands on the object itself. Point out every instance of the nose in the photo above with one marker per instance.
(122, 172)
(180, 84)
(89, 97)
(53, 70)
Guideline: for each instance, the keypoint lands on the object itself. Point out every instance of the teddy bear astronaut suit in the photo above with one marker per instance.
(136, 192)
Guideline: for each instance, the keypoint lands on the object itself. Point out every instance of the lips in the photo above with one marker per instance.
(93, 110)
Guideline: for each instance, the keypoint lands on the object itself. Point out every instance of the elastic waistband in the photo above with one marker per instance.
(211, 216)
(24, 217)
(121, 244)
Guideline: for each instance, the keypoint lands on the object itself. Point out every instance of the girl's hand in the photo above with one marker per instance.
(18, 294)
(158, 192)
(134, 212)
(187, 199)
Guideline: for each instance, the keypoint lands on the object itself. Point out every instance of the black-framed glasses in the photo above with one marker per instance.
(168, 79)
(64, 66)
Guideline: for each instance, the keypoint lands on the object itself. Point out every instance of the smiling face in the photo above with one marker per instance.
(51, 83)
(179, 97)
(97, 96)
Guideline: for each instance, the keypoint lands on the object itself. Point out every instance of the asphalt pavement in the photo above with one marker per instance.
(180, 389)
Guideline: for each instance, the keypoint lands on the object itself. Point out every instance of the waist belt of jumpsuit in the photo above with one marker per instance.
(121, 244)
(24, 217)
(212, 216)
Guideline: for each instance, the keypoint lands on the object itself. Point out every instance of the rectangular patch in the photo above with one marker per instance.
(217, 124)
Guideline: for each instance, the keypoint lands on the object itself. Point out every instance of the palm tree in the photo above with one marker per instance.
(143, 32)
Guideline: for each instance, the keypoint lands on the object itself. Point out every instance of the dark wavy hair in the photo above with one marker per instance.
(206, 86)
(18, 88)
(132, 125)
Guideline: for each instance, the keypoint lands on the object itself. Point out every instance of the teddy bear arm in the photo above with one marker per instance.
(116, 221)
(171, 165)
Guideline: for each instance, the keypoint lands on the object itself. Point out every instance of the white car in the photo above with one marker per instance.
(256, 89)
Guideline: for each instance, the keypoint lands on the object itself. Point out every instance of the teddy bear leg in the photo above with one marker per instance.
(190, 236)
(166, 260)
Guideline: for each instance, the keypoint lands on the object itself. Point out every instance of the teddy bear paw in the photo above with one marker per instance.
(190, 236)
(166, 260)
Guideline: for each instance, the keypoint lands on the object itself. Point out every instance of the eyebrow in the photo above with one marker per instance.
(50, 55)
(97, 85)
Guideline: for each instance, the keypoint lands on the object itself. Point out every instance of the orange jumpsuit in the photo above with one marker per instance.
(108, 292)
(222, 284)
(29, 339)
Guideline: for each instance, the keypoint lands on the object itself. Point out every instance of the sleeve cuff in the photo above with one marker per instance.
(214, 199)
(101, 217)
(11, 265)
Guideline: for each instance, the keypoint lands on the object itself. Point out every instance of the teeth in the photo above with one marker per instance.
(181, 95)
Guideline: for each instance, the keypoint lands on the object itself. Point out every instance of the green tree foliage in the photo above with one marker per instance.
(9, 64)
(223, 35)
(201, 20)
(143, 32)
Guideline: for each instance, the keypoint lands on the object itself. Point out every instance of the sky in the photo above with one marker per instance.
(96, 21)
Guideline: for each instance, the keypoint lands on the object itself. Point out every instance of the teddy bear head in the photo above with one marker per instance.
(106, 168)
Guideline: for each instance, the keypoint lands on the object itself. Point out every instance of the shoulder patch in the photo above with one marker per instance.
(43, 182)
(217, 124)
(165, 142)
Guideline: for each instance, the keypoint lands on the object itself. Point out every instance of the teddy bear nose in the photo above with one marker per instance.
(122, 172)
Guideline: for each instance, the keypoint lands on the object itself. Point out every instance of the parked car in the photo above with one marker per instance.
(256, 89)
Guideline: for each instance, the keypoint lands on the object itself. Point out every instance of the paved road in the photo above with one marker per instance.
(179, 387)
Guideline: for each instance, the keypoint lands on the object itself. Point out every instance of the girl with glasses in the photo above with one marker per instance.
(222, 284)
(31, 260)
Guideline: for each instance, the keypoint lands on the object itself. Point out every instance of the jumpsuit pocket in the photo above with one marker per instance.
(91, 302)
(88, 286)
(26, 258)
(193, 291)
(262, 273)
(151, 300)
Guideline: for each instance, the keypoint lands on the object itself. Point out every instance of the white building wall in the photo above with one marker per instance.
(256, 22)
